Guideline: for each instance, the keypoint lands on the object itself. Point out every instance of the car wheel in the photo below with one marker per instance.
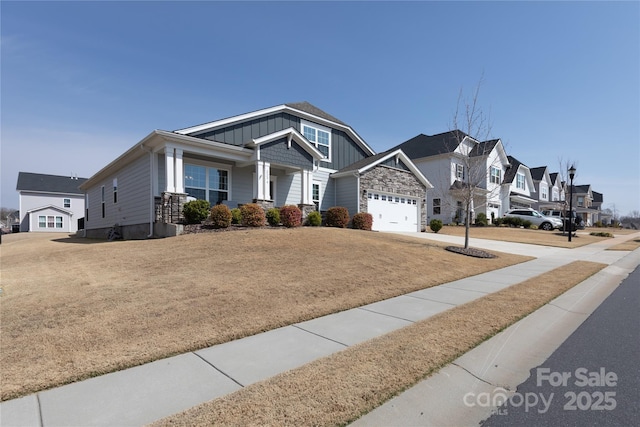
(546, 226)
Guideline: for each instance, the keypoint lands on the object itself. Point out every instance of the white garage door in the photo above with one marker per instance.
(393, 213)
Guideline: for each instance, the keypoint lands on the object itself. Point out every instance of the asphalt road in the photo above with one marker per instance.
(593, 378)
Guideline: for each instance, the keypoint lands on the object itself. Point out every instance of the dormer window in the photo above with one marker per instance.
(319, 136)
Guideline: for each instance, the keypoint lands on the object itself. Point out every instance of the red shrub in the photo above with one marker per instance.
(252, 215)
(220, 216)
(362, 221)
(337, 216)
(290, 216)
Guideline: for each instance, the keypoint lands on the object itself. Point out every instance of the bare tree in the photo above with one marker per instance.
(471, 131)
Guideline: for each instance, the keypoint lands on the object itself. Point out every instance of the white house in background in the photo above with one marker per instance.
(453, 160)
(50, 203)
(518, 186)
(289, 154)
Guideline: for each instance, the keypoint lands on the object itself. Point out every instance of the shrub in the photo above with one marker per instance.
(497, 221)
(481, 219)
(435, 225)
(601, 234)
(220, 216)
(273, 217)
(337, 216)
(236, 216)
(252, 215)
(195, 211)
(291, 216)
(314, 219)
(362, 221)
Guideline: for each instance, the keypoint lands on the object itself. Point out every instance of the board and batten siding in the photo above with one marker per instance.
(134, 197)
(241, 133)
(347, 193)
(344, 151)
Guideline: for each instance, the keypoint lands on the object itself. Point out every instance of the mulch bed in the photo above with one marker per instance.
(477, 253)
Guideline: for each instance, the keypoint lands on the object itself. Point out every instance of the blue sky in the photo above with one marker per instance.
(81, 82)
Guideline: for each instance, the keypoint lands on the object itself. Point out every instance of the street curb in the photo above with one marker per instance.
(501, 363)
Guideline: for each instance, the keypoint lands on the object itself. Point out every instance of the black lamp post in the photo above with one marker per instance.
(572, 173)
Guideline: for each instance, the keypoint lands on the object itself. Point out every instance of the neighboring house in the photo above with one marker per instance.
(454, 162)
(546, 191)
(518, 186)
(583, 203)
(50, 203)
(557, 189)
(604, 217)
(290, 154)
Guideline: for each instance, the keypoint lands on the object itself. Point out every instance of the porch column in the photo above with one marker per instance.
(179, 172)
(169, 170)
(260, 178)
(306, 183)
(267, 181)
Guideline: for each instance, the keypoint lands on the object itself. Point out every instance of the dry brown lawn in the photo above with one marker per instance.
(522, 235)
(75, 308)
(339, 388)
(629, 245)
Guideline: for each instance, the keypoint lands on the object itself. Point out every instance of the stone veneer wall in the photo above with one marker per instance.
(393, 181)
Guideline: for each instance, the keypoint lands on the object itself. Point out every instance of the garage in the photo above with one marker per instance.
(393, 212)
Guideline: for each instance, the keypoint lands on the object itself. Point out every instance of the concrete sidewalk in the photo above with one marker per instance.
(146, 393)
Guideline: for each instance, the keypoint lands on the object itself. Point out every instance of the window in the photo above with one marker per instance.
(581, 201)
(319, 136)
(206, 183)
(436, 206)
(495, 175)
(49, 221)
(544, 192)
(520, 181)
(459, 171)
(66, 203)
(556, 194)
(115, 190)
(384, 198)
(315, 195)
(103, 206)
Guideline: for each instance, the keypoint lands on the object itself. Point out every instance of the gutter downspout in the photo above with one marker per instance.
(151, 200)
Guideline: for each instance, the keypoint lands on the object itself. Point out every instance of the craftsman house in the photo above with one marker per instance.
(290, 154)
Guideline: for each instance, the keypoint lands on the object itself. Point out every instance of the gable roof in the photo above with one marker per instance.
(554, 177)
(512, 171)
(538, 173)
(28, 181)
(425, 146)
(303, 110)
(367, 163)
(597, 197)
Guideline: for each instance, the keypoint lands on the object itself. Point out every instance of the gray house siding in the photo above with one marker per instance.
(344, 151)
(347, 193)
(132, 210)
(278, 152)
(242, 180)
(241, 133)
(327, 188)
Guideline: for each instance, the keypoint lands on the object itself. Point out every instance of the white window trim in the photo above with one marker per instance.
(208, 165)
(317, 127)
(459, 171)
(524, 184)
(319, 184)
(64, 203)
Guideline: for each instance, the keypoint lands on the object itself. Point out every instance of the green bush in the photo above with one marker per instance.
(497, 221)
(362, 221)
(195, 211)
(252, 215)
(337, 216)
(220, 216)
(481, 219)
(517, 222)
(273, 217)
(435, 225)
(314, 219)
(291, 216)
(236, 216)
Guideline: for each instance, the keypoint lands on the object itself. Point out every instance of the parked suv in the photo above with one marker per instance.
(578, 223)
(536, 218)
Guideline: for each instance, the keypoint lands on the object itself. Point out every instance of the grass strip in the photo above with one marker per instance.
(338, 389)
